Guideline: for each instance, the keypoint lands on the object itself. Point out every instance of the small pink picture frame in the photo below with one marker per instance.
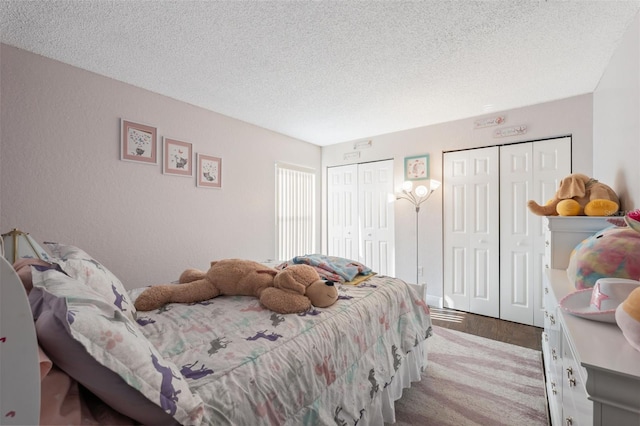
(138, 142)
(178, 158)
(209, 171)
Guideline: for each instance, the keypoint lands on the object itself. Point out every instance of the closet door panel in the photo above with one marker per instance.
(342, 206)
(471, 231)
(484, 236)
(551, 163)
(458, 288)
(456, 239)
(516, 241)
(375, 207)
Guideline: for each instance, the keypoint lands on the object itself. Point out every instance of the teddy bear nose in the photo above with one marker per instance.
(329, 283)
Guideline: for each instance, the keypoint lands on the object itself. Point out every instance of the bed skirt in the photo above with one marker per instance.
(383, 407)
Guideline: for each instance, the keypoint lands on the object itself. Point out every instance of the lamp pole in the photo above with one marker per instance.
(417, 196)
(417, 257)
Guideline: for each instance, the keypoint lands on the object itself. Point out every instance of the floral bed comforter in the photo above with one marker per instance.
(252, 366)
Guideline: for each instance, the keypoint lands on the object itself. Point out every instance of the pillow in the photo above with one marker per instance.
(612, 252)
(101, 348)
(79, 265)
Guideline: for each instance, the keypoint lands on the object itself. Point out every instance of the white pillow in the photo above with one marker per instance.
(104, 350)
(81, 266)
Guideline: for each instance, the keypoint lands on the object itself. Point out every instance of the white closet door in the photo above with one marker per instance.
(360, 216)
(376, 216)
(527, 171)
(471, 231)
(551, 162)
(516, 239)
(342, 206)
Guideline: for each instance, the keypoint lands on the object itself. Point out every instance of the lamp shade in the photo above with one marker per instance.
(18, 245)
(421, 191)
(434, 184)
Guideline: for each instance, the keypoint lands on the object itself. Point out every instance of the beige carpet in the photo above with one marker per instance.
(471, 380)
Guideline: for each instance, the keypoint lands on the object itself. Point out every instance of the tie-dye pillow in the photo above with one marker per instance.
(612, 252)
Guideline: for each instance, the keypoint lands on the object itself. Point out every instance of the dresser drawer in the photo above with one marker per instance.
(553, 379)
(577, 408)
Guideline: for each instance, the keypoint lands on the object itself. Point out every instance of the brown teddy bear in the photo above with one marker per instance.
(291, 290)
(579, 195)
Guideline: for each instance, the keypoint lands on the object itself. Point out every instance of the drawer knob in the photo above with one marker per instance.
(572, 382)
(569, 372)
(546, 289)
(552, 319)
(568, 421)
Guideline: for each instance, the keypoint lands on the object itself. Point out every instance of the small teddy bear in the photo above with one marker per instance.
(291, 290)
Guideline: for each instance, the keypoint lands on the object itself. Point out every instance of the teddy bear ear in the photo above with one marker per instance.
(286, 280)
(572, 186)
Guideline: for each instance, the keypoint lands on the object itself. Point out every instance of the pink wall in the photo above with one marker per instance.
(61, 178)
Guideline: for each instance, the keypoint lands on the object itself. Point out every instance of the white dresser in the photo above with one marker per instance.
(592, 372)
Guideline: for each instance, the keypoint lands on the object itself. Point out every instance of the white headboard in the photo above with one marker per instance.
(19, 363)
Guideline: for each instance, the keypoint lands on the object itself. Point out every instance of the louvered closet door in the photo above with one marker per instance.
(342, 206)
(471, 231)
(527, 171)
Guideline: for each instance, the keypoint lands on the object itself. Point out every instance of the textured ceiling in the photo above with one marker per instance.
(333, 71)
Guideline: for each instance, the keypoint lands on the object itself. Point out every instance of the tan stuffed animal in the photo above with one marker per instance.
(293, 289)
(579, 195)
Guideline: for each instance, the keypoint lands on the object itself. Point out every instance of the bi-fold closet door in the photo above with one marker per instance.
(360, 215)
(493, 245)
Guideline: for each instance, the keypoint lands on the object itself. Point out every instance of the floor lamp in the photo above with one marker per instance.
(417, 196)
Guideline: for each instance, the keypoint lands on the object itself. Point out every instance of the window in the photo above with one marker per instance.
(295, 211)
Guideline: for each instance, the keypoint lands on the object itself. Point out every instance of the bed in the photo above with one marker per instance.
(225, 361)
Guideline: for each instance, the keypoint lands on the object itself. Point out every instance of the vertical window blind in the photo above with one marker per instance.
(295, 211)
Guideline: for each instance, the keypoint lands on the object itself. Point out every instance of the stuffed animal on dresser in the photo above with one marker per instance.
(579, 195)
(628, 312)
(291, 290)
(628, 318)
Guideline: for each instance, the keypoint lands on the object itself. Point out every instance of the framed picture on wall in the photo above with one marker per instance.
(209, 171)
(416, 167)
(138, 142)
(178, 158)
